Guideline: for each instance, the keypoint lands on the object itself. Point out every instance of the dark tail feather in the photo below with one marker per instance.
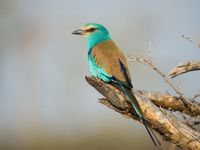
(132, 99)
(150, 132)
(134, 102)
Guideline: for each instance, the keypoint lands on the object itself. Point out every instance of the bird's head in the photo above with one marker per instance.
(94, 33)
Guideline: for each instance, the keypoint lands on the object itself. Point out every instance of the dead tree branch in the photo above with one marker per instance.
(166, 125)
(150, 64)
(195, 96)
(191, 40)
(184, 68)
(173, 103)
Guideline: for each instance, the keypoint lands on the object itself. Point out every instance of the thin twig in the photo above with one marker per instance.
(185, 100)
(149, 51)
(171, 129)
(195, 96)
(191, 40)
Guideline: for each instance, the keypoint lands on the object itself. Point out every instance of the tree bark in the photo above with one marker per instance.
(165, 124)
(173, 103)
(185, 67)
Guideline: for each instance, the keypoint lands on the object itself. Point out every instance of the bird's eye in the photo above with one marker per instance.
(91, 29)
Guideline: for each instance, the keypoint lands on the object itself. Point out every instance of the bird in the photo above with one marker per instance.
(108, 63)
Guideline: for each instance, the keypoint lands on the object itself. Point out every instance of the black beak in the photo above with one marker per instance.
(78, 32)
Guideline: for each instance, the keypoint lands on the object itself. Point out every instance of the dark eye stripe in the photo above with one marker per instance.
(91, 29)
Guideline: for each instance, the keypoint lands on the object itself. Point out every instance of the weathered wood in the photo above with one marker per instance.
(173, 103)
(185, 67)
(166, 125)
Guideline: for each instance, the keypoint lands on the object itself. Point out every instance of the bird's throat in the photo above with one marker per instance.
(96, 40)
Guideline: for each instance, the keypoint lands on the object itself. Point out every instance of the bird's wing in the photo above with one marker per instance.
(109, 57)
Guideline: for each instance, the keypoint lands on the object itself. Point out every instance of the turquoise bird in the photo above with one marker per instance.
(107, 62)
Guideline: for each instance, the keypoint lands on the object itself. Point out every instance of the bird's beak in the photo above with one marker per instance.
(78, 32)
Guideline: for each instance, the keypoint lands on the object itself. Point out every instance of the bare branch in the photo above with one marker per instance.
(184, 99)
(149, 51)
(190, 121)
(173, 103)
(168, 126)
(184, 68)
(191, 40)
(195, 96)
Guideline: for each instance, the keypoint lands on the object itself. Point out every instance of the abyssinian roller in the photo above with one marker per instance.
(108, 63)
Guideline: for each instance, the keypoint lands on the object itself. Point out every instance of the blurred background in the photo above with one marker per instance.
(45, 102)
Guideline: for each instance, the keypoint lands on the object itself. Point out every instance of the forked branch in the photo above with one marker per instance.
(184, 99)
(166, 125)
(172, 103)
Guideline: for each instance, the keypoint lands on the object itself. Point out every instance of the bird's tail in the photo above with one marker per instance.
(132, 99)
(150, 132)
